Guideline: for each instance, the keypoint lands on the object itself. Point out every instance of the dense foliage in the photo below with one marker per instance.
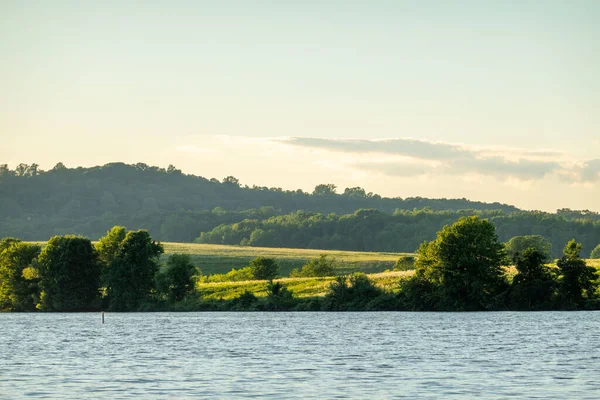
(178, 279)
(403, 231)
(69, 271)
(535, 283)
(460, 270)
(37, 204)
(578, 281)
(518, 244)
(464, 263)
(174, 206)
(129, 279)
(263, 268)
(19, 289)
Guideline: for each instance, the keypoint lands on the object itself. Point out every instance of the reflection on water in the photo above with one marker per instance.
(302, 355)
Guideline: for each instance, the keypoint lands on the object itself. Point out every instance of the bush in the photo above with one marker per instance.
(279, 298)
(596, 252)
(322, 266)
(351, 293)
(245, 301)
(519, 244)
(263, 268)
(405, 263)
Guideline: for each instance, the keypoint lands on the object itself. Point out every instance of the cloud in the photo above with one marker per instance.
(502, 168)
(410, 157)
(591, 171)
(406, 147)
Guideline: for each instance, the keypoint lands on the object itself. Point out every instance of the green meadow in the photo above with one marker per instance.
(220, 259)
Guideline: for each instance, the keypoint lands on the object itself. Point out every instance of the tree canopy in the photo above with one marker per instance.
(465, 262)
(518, 244)
(18, 278)
(69, 272)
(130, 275)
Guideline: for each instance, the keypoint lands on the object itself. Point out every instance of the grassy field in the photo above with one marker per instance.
(300, 287)
(311, 287)
(218, 259)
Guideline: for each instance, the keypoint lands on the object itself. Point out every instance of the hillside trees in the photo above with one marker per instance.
(403, 231)
(178, 207)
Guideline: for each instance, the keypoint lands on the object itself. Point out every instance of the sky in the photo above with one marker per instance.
(487, 100)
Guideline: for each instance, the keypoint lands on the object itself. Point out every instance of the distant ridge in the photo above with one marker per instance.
(173, 206)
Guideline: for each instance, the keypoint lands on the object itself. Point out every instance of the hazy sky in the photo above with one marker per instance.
(489, 100)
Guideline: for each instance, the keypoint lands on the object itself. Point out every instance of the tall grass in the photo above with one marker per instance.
(300, 287)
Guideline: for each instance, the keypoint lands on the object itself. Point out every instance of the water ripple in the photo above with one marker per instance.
(300, 355)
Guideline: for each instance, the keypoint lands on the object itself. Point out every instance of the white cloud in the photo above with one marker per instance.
(413, 157)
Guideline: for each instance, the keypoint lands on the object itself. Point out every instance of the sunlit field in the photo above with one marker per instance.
(219, 259)
(300, 287)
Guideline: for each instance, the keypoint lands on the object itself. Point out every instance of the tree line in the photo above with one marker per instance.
(402, 231)
(36, 204)
(465, 268)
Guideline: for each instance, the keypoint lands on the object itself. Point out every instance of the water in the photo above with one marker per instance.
(300, 355)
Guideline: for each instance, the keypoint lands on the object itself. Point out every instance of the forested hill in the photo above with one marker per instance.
(36, 204)
(404, 231)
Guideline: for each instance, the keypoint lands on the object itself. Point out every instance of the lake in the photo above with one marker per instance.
(300, 355)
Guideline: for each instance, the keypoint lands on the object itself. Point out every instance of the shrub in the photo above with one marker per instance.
(596, 252)
(322, 266)
(405, 263)
(263, 268)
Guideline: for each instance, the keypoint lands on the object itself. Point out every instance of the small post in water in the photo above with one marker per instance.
(102, 316)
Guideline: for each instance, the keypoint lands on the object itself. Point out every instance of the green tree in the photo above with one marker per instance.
(21, 169)
(596, 252)
(322, 266)
(69, 272)
(59, 167)
(264, 268)
(108, 246)
(578, 281)
(355, 192)
(519, 244)
(534, 285)
(405, 263)
(279, 298)
(231, 180)
(465, 262)
(325, 190)
(177, 280)
(18, 278)
(5, 171)
(354, 292)
(130, 277)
